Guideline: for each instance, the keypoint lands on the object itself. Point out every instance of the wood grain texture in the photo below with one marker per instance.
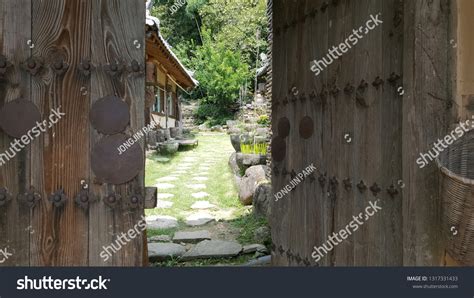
(117, 24)
(60, 30)
(387, 130)
(425, 119)
(15, 31)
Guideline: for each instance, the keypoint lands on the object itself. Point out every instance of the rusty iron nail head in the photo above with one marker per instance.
(361, 186)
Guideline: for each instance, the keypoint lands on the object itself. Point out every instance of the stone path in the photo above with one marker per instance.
(197, 231)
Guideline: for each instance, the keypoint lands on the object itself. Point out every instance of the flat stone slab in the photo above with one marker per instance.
(162, 204)
(161, 222)
(249, 249)
(164, 251)
(200, 195)
(197, 186)
(213, 249)
(200, 178)
(165, 195)
(167, 179)
(160, 238)
(191, 237)
(165, 186)
(203, 205)
(199, 219)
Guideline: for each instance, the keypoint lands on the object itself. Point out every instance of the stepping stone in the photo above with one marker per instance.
(213, 249)
(165, 195)
(191, 237)
(167, 179)
(200, 178)
(160, 238)
(165, 186)
(164, 251)
(161, 204)
(163, 159)
(249, 249)
(199, 219)
(179, 172)
(196, 186)
(202, 205)
(161, 222)
(200, 195)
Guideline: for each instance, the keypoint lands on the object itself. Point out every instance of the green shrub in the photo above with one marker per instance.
(263, 120)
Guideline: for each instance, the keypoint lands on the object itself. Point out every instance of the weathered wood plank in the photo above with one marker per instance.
(391, 136)
(15, 31)
(426, 71)
(116, 27)
(61, 30)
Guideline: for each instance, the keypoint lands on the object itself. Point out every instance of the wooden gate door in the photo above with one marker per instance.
(67, 196)
(354, 118)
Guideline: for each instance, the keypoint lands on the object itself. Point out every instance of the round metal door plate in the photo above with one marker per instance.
(113, 167)
(306, 127)
(17, 117)
(110, 115)
(278, 149)
(283, 127)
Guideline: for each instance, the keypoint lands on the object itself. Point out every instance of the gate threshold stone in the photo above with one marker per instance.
(164, 251)
(213, 249)
(191, 237)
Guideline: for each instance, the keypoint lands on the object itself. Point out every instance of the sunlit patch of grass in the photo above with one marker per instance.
(247, 225)
(220, 185)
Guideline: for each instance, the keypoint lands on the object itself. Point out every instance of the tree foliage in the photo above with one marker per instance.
(218, 40)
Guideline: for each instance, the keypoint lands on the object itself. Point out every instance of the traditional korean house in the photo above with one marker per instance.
(166, 78)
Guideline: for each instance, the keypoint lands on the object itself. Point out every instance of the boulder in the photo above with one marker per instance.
(151, 138)
(203, 127)
(235, 140)
(261, 131)
(234, 167)
(260, 139)
(217, 128)
(249, 183)
(160, 136)
(168, 148)
(245, 161)
(231, 123)
(252, 248)
(175, 132)
(261, 200)
(262, 235)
